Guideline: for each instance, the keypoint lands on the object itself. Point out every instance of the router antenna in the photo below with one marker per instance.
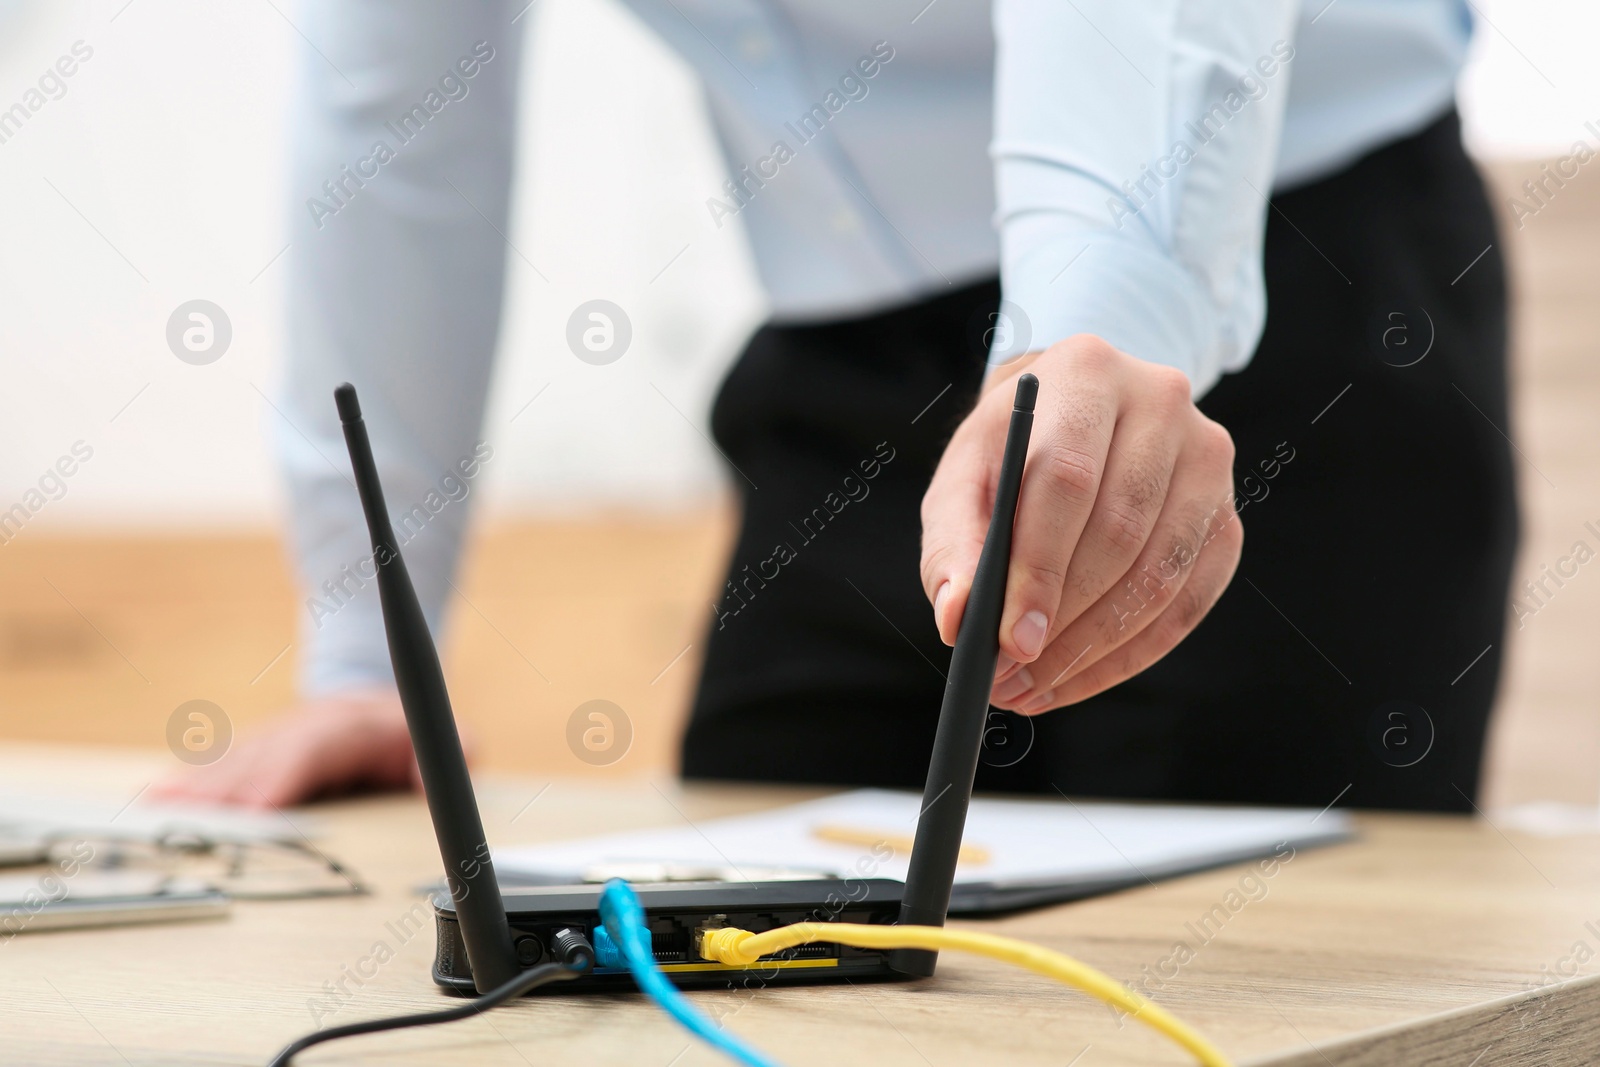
(962, 716)
(462, 844)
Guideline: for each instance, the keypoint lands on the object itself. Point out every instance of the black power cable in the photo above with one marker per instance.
(577, 958)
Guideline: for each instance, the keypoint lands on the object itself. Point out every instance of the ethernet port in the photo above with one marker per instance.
(670, 941)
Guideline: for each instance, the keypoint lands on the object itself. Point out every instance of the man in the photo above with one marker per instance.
(1123, 201)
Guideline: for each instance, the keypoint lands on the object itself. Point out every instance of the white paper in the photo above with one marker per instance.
(1028, 842)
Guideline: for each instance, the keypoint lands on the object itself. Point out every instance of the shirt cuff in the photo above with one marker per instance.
(1059, 280)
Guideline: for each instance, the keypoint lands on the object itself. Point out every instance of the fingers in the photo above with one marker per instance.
(1213, 571)
(271, 770)
(214, 783)
(328, 746)
(955, 519)
(1188, 563)
(294, 770)
(1193, 514)
(1067, 458)
(1132, 495)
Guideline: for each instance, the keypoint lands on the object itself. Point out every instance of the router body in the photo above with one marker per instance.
(674, 911)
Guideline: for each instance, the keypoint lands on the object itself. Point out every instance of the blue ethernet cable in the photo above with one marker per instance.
(627, 932)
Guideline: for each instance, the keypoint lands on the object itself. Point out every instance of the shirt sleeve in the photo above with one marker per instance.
(400, 187)
(1134, 149)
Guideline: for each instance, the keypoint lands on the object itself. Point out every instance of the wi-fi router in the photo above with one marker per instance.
(486, 937)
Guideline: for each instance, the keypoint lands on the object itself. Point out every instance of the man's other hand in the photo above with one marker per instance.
(337, 744)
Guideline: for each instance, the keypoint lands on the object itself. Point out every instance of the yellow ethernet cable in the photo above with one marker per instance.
(742, 948)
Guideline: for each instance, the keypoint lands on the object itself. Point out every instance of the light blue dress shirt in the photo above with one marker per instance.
(1110, 159)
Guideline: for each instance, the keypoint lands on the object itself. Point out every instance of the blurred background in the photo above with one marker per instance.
(155, 573)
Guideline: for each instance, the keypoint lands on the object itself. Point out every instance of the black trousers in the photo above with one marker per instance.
(1356, 653)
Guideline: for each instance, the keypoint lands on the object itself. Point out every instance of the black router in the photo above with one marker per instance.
(487, 937)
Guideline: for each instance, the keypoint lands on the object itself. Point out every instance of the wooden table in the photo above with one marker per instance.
(1431, 940)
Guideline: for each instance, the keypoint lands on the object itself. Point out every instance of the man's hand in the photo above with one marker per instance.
(331, 745)
(1126, 533)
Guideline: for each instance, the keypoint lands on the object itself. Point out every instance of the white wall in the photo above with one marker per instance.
(169, 141)
(1532, 81)
(157, 178)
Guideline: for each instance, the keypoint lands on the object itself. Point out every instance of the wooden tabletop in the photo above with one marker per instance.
(1430, 940)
